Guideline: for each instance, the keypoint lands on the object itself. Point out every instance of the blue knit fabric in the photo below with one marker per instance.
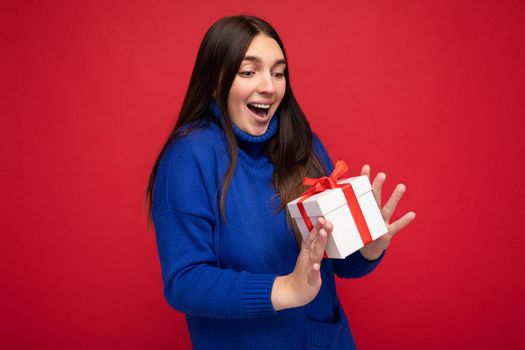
(220, 274)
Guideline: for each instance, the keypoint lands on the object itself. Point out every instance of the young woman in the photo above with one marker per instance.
(231, 259)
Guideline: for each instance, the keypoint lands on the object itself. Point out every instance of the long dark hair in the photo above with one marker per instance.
(218, 60)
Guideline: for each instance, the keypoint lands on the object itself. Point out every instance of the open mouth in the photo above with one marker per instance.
(261, 110)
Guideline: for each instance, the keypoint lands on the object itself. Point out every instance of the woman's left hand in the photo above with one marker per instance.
(374, 249)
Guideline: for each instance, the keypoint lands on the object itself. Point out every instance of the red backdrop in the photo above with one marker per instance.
(431, 92)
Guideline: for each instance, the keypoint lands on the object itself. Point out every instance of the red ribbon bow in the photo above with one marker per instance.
(325, 182)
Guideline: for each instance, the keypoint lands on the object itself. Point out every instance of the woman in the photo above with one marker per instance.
(231, 259)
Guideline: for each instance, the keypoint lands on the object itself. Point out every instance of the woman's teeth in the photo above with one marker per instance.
(260, 105)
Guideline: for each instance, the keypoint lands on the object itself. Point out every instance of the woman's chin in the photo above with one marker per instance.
(256, 130)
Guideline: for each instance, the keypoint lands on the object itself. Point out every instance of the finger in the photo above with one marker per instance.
(392, 202)
(329, 227)
(321, 221)
(377, 187)
(314, 276)
(365, 170)
(312, 236)
(396, 226)
(319, 246)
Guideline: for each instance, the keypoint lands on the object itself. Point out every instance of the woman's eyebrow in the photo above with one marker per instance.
(258, 60)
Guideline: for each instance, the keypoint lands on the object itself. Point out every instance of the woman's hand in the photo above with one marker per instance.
(374, 249)
(302, 285)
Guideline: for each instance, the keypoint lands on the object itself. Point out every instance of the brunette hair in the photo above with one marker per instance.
(218, 60)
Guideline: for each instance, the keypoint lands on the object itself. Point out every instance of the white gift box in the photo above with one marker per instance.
(332, 204)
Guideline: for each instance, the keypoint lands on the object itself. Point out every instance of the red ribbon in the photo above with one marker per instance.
(330, 182)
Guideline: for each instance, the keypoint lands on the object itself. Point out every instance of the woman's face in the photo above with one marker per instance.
(258, 87)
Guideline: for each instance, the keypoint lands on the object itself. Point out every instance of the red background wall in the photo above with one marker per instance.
(431, 92)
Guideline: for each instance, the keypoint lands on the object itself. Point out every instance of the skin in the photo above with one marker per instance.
(302, 285)
(259, 80)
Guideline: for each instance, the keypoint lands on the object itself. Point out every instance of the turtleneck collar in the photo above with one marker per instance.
(251, 144)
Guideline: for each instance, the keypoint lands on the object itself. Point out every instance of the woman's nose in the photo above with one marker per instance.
(266, 85)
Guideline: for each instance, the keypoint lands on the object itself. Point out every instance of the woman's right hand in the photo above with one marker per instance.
(302, 285)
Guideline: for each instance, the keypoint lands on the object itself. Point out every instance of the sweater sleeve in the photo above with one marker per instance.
(354, 265)
(184, 215)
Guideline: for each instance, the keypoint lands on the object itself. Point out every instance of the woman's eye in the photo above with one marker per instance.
(246, 73)
(279, 75)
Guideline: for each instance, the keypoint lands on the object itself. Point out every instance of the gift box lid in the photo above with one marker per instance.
(324, 202)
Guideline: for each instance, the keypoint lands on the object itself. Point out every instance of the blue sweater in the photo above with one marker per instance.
(220, 274)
